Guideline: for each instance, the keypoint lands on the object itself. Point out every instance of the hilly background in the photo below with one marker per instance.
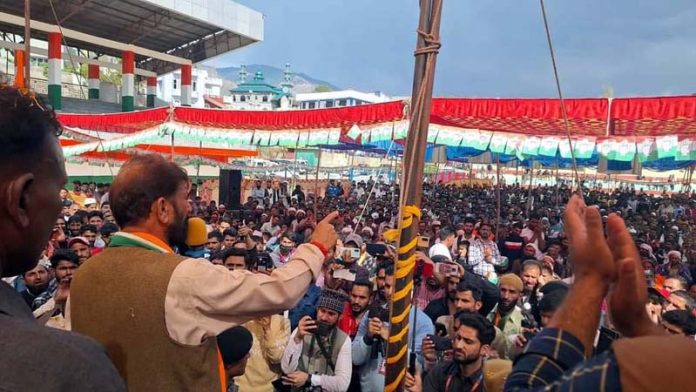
(303, 83)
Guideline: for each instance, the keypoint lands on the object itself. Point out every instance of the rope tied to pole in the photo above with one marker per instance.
(432, 44)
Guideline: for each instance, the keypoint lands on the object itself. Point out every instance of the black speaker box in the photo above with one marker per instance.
(230, 188)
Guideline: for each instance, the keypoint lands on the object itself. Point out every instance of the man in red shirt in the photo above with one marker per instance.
(356, 308)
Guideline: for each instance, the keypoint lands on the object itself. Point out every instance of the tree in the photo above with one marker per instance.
(322, 89)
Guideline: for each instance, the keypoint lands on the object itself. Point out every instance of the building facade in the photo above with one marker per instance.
(203, 83)
(337, 99)
(257, 94)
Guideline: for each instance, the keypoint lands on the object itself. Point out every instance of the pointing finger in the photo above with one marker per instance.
(330, 218)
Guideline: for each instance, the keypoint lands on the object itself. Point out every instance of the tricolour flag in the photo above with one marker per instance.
(498, 143)
(686, 150)
(549, 146)
(646, 149)
(667, 146)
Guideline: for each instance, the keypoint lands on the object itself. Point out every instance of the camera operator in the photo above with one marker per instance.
(318, 354)
(369, 345)
(470, 344)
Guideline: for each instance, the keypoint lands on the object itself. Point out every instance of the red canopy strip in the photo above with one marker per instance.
(208, 152)
(529, 116)
(69, 142)
(292, 119)
(116, 122)
(654, 116)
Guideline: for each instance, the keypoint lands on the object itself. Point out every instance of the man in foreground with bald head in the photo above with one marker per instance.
(158, 313)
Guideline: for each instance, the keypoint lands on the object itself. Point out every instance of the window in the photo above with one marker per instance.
(194, 86)
(329, 104)
(310, 105)
(265, 98)
(243, 98)
(341, 102)
(175, 84)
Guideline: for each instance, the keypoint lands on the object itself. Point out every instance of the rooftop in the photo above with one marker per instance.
(193, 29)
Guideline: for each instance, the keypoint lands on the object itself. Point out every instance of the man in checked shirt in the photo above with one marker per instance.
(556, 359)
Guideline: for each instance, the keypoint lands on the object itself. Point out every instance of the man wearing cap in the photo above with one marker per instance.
(80, 245)
(158, 313)
(37, 281)
(507, 316)
(258, 193)
(234, 345)
(319, 353)
(354, 241)
(90, 204)
(675, 266)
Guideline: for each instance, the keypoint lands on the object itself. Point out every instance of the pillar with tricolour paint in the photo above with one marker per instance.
(151, 91)
(55, 70)
(93, 81)
(128, 89)
(19, 63)
(186, 85)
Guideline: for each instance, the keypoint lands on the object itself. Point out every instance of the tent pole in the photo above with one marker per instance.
(497, 191)
(427, 46)
(316, 184)
(557, 183)
(529, 191)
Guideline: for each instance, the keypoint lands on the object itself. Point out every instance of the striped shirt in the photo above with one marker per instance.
(554, 361)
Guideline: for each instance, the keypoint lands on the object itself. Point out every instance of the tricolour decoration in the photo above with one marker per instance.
(667, 146)
(646, 148)
(498, 142)
(686, 150)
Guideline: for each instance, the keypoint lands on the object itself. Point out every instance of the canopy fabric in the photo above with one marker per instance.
(654, 116)
(660, 132)
(530, 116)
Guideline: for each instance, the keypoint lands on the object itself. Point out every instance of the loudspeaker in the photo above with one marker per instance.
(230, 188)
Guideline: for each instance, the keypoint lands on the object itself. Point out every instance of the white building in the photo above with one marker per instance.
(202, 84)
(334, 99)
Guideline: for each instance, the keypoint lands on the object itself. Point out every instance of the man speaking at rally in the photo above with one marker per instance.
(158, 313)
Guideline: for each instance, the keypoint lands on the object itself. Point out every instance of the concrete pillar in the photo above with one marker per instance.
(186, 85)
(93, 75)
(55, 70)
(128, 79)
(20, 61)
(151, 91)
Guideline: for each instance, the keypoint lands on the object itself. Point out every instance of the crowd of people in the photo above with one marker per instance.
(290, 291)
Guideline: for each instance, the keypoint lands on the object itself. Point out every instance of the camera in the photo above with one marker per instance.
(442, 343)
(263, 262)
(379, 312)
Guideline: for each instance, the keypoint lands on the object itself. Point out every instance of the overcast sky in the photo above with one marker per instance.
(489, 48)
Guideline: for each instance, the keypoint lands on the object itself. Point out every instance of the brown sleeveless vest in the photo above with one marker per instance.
(656, 363)
(117, 298)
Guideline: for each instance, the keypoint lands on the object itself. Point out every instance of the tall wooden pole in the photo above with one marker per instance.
(411, 188)
(27, 44)
(529, 191)
(497, 196)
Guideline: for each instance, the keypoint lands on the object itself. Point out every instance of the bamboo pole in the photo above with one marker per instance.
(27, 44)
(529, 191)
(411, 191)
(497, 192)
